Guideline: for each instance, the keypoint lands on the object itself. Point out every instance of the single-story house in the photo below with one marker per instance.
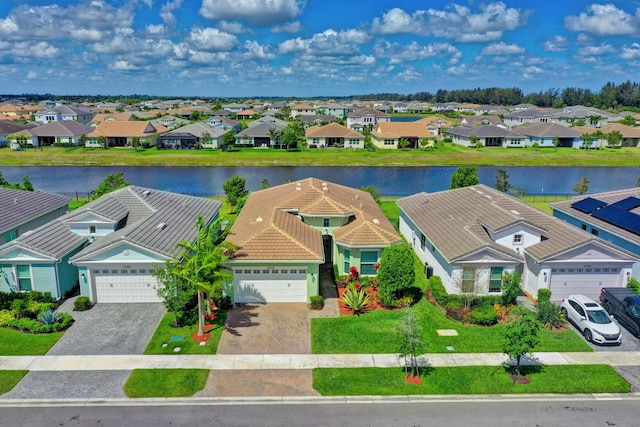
(224, 123)
(487, 136)
(121, 134)
(333, 135)
(311, 119)
(21, 211)
(630, 134)
(59, 132)
(248, 114)
(544, 134)
(192, 136)
(110, 246)
(112, 117)
(523, 116)
(472, 121)
(613, 216)
(284, 233)
(388, 134)
(471, 236)
(9, 127)
(259, 136)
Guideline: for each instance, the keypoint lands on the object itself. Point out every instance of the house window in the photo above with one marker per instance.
(10, 235)
(584, 226)
(367, 261)
(24, 277)
(495, 279)
(325, 222)
(347, 260)
(92, 229)
(594, 232)
(517, 239)
(468, 279)
(423, 241)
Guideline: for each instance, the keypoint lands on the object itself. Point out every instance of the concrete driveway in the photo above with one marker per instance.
(271, 328)
(109, 329)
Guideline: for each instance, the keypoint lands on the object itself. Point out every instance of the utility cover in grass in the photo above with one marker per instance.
(447, 332)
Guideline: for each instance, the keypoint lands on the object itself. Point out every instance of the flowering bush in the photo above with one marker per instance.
(376, 266)
(358, 286)
(343, 281)
(354, 274)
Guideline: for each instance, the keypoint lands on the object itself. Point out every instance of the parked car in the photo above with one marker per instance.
(591, 319)
(624, 304)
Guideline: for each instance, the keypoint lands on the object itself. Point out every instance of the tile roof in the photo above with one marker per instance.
(19, 206)
(332, 130)
(269, 228)
(367, 112)
(483, 131)
(128, 128)
(61, 128)
(547, 130)
(456, 221)
(401, 129)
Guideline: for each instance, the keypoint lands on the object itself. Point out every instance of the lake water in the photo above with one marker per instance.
(392, 181)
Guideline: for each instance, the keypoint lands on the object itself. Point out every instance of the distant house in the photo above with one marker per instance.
(21, 211)
(224, 123)
(486, 136)
(269, 120)
(333, 135)
(248, 114)
(435, 124)
(122, 134)
(170, 121)
(192, 136)
(334, 109)
(235, 107)
(110, 247)
(260, 136)
(112, 117)
(308, 120)
(630, 134)
(592, 117)
(9, 127)
(471, 236)
(64, 112)
(370, 117)
(387, 135)
(302, 109)
(60, 132)
(523, 116)
(471, 121)
(546, 135)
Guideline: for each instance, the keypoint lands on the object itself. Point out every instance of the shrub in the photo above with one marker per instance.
(544, 295)
(82, 303)
(356, 300)
(48, 317)
(33, 308)
(405, 301)
(396, 273)
(225, 303)
(343, 281)
(634, 285)
(6, 298)
(6, 317)
(18, 306)
(455, 310)
(550, 315)
(510, 287)
(30, 325)
(317, 302)
(354, 274)
(483, 315)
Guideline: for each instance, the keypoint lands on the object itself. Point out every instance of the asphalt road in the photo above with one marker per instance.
(568, 412)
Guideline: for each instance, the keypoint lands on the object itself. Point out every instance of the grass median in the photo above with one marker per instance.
(564, 379)
(182, 337)
(165, 382)
(16, 343)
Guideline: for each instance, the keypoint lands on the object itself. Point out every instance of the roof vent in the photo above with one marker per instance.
(357, 196)
(161, 226)
(515, 212)
(376, 222)
(146, 192)
(15, 201)
(259, 219)
(27, 233)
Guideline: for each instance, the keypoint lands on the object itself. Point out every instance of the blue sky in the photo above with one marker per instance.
(306, 48)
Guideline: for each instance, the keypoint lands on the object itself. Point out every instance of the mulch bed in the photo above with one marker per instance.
(413, 379)
(373, 305)
(207, 333)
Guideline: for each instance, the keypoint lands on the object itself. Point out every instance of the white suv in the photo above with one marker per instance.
(591, 319)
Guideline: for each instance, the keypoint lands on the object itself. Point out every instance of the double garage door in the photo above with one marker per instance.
(125, 285)
(270, 284)
(582, 281)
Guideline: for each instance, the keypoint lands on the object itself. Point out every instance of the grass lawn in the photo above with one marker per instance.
(469, 380)
(446, 155)
(165, 382)
(391, 210)
(9, 379)
(16, 343)
(187, 344)
(542, 202)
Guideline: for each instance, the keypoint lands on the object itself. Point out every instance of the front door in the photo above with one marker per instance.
(327, 242)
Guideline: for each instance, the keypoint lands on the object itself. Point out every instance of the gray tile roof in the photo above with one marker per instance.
(18, 207)
(456, 221)
(547, 130)
(483, 131)
(61, 128)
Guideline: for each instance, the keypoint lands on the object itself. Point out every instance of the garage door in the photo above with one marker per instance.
(582, 281)
(128, 285)
(270, 285)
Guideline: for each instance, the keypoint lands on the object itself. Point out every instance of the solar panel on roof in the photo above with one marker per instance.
(588, 205)
(628, 203)
(619, 217)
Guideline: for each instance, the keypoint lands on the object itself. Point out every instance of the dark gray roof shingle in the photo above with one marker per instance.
(18, 206)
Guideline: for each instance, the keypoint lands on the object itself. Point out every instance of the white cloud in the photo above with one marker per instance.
(593, 54)
(166, 12)
(254, 50)
(291, 27)
(457, 22)
(414, 52)
(631, 52)
(555, 44)
(259, 12)
(287, 70)
(604, 20)
(122, 66)
(233, 27)
(32, 75)
(329, 42)
(212, 39)
(501, 48)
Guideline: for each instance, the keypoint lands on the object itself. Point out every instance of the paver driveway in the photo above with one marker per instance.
(261, 382)
(109, 329)
(271, 328)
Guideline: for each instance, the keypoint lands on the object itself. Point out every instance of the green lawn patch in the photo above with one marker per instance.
(187, 345)
(9, 379)
(16, 343)
(376, 332)
(469, 380)
(165, 382)
(391, 210)
(542, 201)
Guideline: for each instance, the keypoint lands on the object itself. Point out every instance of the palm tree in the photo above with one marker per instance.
(274, 135)
(201, 264)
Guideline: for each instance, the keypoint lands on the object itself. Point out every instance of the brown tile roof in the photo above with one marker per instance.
(626, 131)
(332, 130)
(118, 117)
(125, 129)
(401, 129)
(456, 221)
(269, 228)
(303, 107)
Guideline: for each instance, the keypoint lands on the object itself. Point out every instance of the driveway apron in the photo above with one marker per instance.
(262, 382)
(109, 329)
(271, 328)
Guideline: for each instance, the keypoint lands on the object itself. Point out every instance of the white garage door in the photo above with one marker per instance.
(270, 285)
(582, 281)
(128, 285)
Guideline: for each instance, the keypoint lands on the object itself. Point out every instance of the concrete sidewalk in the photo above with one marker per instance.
(299, 361)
